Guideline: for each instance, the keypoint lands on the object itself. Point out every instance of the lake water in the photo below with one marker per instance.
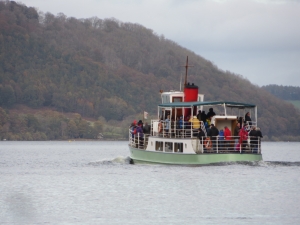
(93, 183)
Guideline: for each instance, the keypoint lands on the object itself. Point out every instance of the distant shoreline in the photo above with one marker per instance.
(70, 140)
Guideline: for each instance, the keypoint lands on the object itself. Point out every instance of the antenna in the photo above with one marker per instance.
(186, 70)
(180, 83)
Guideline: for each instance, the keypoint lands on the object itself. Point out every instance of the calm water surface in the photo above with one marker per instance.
(93, 183)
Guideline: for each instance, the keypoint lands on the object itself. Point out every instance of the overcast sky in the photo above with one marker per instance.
(258, 39)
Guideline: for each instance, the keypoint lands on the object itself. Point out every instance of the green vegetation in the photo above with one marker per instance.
(46, 125)
(295, 103)
(104, 71)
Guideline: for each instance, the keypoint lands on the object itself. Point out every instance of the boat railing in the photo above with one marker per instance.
(172, 129)
(217, 144)
(212, 144)
(137, 140)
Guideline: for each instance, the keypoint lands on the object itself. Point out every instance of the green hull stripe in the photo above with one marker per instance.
(142, 156)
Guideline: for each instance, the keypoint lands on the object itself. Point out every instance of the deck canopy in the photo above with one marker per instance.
(208, 103)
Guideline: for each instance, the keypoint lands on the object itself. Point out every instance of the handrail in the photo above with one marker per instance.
(187, 131)
(217, 144)
(212, 144)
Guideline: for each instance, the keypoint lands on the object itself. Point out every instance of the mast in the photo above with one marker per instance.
(186, 70)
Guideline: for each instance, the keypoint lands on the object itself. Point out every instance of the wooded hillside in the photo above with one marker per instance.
(105, 69)
(283, 92)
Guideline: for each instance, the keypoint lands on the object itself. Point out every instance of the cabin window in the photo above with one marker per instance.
(168, 147)
(177, 99)
(178, 147)
(185, 145)
(159, 146)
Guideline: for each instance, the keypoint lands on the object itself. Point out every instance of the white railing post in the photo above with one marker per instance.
(241, 146)
(258, 145)
(202, 144)
(217, 143)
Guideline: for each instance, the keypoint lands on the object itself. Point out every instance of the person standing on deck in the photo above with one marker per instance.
(243, 137)
(181, 123)
(210, 113)
(132, 128)
(253, 139)
(248, 118)
(201, 135)
(195, 125)
(214, 132)
(203, 117)
(146, 128)
(236, 134)
(139, 130)
(168, 122)
(221, 139)
(199, 115)
(227, 135)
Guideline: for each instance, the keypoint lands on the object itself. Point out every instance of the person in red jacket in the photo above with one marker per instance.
(227, 135)
(243, 137)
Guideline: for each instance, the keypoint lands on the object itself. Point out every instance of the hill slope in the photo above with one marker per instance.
(109, 69)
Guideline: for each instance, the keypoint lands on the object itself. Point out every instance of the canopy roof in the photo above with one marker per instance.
(191, 104)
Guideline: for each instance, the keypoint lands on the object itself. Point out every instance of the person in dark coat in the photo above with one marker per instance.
(214, 132)
(201, 135)
(259, 134)
(146, 128)
(253, 138)
(203, 116)
(210, 113)
(199, 115)
(248, 118)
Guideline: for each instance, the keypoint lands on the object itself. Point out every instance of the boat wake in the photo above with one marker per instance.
(116, 161)
(279, 163)
(121, 160)
(263, 163)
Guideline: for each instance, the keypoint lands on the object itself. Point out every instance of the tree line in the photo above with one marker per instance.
(46, 125)
(284, 92)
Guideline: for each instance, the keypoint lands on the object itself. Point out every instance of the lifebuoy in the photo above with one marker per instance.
(207, 143)
(159, 127)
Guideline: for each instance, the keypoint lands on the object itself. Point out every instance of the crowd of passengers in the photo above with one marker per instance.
(214, 138)
(224, 139)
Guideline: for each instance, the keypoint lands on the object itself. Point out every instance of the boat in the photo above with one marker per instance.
(174, 137)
